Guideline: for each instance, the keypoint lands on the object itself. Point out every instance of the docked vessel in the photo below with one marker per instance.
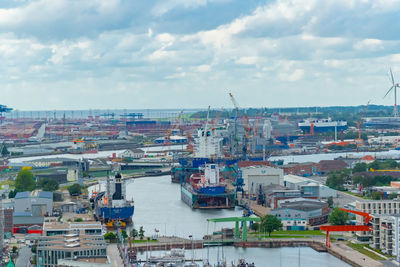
(112, 204)
(206, 190)
(382, 122)
(322, 125)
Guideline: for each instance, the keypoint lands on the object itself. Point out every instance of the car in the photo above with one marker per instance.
(340, 239)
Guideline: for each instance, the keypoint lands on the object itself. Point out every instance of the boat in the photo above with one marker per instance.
(322, 125)
(381, 122)
(207, 191)
(111, 205)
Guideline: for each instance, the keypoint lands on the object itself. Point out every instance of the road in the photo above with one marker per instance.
(113, 253)
(23, 257)
(344, 199)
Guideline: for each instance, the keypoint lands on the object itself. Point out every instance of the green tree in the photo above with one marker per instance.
(270, 223)
(14, 249)
(335, 180)
(75, 190)
(4, 150)
(360, 167)
(376, 195)
(110, 236)
(134, 233)
(12, 193)
(78, 220)
(124, 234)
(48, 184)
(330, 201)
(338, 217)
(255, 226)
(25, 181)
(392, 195)
(141, 232)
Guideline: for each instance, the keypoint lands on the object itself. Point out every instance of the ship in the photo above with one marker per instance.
(112, 205)
(382, 122)
(207, 191)
(322, 125)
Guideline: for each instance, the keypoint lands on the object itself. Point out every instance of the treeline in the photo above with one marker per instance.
(357, 175)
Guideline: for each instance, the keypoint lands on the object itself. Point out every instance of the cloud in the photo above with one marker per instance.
(162, 53)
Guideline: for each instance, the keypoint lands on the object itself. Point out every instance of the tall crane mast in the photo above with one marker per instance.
(245, 126)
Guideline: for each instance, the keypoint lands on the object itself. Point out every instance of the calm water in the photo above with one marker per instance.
(263, 257)
(158, 206)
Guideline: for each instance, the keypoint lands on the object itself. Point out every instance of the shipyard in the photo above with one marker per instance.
(187, 133)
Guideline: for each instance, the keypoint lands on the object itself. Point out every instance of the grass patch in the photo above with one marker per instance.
(144, 241)
(293, 233)
(360, 248)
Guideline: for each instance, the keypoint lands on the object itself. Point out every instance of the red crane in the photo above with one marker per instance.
(347, 228)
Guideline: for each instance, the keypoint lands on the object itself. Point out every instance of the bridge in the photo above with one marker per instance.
(237, 220)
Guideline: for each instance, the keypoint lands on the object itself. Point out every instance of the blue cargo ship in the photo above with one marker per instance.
(322, 125)
(112, 204)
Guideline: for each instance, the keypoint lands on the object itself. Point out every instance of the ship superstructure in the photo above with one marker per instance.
(112, 204)
(322, 125)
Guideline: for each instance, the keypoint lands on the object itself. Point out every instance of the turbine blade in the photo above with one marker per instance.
(388, 91)
(391, 75)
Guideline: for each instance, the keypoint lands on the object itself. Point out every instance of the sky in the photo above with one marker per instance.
(134, 54)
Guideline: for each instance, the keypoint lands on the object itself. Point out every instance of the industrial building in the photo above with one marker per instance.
(308, 186)
(81, 228)
(37, 203)
(256, 176)
(301, 213)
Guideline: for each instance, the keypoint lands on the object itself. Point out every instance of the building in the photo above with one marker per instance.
(308, 186)
(81, 228)
(72, 244)
(375, 208)
(38, 203)
(326, 166)
(301, 169)
(8, 222)
(256, 176)
(301, 213)
(135, 153)
(383, 233)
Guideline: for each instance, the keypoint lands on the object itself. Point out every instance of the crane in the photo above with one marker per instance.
(245, 126)
(360, 141)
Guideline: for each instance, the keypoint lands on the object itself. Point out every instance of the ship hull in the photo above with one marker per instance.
(197, 200)
(117, 213)
(323, 129)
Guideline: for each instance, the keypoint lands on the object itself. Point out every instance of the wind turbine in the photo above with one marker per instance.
(394, 88)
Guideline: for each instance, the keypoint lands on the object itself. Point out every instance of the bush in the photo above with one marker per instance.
(75, 190)
(25, 181)
(110, 236)
(48, 184)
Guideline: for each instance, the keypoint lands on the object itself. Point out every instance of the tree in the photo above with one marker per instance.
(270, 223)
(48, 184)
(338, 217)
(124, 234)
(141, 232)
(392, 195)
(255, 226)
(14, 249)
(75, 190)
(110, 236)
(78, 220)
(25, 181)
(4, 150)
(335, 180)
(376, 195)
(360, 167)
(134, 233)
(12, 193)
(330, 201)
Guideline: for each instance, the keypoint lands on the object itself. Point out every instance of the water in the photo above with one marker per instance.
(158, 206)
(264, 257)
(330, 156)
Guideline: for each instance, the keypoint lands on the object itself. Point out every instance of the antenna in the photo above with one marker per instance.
(394, 88)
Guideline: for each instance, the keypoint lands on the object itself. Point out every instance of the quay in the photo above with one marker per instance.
(339, 250)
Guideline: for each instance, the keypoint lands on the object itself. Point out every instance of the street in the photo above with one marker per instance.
(23, 257)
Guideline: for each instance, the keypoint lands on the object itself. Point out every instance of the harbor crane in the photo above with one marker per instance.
(246, 125)
(360, 141)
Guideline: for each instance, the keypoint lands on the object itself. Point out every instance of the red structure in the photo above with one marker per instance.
(347, 228)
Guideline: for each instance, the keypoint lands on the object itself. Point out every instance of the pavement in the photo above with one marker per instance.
(355, 256)
(113, 254)
(24, 256)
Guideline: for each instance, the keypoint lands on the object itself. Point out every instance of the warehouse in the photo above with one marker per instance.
(254, 176)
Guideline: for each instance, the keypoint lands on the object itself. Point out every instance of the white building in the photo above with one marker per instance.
(295, 182)
(132, 153)
(254, 176)
(208, 145)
